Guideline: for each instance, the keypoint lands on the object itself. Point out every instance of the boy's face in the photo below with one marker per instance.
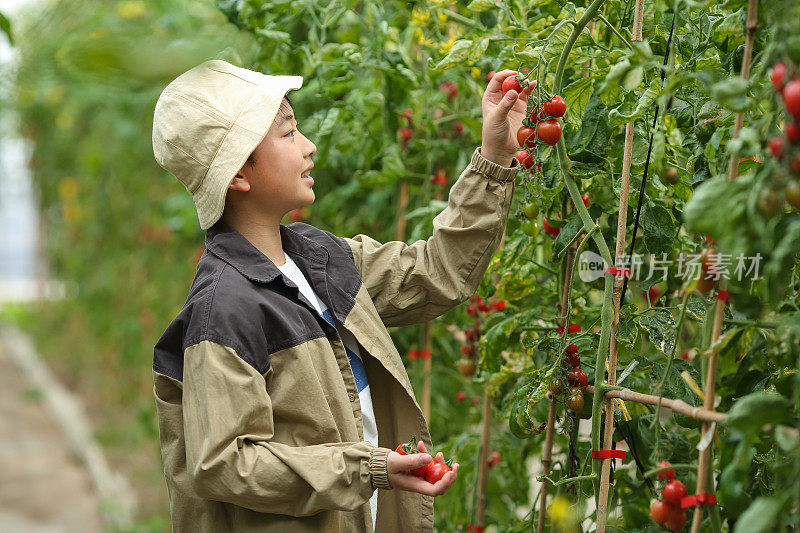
(274, 184)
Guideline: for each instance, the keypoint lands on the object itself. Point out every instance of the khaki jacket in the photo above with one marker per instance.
(258, 412)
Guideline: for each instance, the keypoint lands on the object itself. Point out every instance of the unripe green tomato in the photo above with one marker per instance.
(531, 211)
(530, 228)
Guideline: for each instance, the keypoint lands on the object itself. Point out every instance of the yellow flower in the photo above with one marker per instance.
(442, 16)
(54, 95)
(419, 36)
(131, 10)
(68, 188)
(419, 16)
(65, 120)
(475, 73)
(448, 45)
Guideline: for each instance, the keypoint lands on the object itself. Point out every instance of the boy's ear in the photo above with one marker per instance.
(239, 183)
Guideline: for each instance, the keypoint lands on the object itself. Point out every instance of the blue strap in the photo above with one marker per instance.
(356, 365)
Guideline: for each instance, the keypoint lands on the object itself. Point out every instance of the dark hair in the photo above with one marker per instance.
(251, 159)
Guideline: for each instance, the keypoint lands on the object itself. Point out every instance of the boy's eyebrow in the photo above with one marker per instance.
(283, 119)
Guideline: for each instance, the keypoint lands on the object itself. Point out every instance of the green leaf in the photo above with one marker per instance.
(731, 93)
(658, 227)
(751, 413)
(646, 101)
(494, 341)
(661, 327)
(5, 26)
(761, 516)
(274, 35)
(459, 52)
(577, 95)
(480, 6)
(573, 225)
(589, 143)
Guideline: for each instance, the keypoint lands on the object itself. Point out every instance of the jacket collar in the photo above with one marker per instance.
(232, 247)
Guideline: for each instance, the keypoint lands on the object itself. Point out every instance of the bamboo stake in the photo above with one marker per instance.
(704, 460)
(622, 224)
(678, 406)
(402, 203)
(547, 452)
(483, 459)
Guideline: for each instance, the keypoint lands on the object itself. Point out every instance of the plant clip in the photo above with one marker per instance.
(423, 354)
(609, 454)
(616, 271)
(698, 499)
(722, 295)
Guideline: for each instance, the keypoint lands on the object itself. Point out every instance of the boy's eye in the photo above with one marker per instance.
(291, 132)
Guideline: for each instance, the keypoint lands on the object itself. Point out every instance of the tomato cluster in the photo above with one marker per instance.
(440, 178)
(541, 125)
(576, 377)
(787, 146)
(431, 472)
(469, 352)
(667, 511)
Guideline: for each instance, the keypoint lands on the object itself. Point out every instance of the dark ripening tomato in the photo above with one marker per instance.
(671, 174)
(575, 400)
(556, 386)
(436, 472)
(676, 520)
(573, 360)
(653, 294)
(659, 511)
(512, 82)
(549, 131)
(577, 377)
(572, 349)
(550, 230)
(792, 131)
(666, 474)
(705, 284)
(778, 75)
(555, 107)
(673, 492)
(776, 146)
(525, 158)
(791, 98)
(792, 192)
(466, 367)
(526, 137)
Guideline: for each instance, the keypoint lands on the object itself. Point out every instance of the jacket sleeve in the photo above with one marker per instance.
(413, 284)
(230, 457)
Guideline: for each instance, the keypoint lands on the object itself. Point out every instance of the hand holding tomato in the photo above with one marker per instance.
(399, 468)
(502, 119)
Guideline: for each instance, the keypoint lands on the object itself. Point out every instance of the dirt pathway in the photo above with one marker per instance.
(42, 487)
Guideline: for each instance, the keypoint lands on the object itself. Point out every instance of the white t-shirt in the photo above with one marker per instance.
(291, 271)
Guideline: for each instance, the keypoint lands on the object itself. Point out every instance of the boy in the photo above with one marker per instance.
(279, 392)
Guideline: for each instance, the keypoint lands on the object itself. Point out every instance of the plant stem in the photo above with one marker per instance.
(614, 30)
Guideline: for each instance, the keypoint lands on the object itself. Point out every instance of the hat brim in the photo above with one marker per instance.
(246, 133)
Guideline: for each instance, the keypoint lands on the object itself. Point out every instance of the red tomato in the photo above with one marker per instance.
(549, 131)
(461, 396)
(421, 471)
(653, 294)
(512, 82)
(676, 520)
(407, 114)
(673, 492)
(666, 474)
(577, 377)
(575, 400)
(572, 349)
(778, 75)
(537, 115)
(776, 146)
(792, 131)
(574, 360)
(494, 458)
(659, 511)
(436, 472)
(490, 76)
(450, 88)
(525, 158)
(585, 198)
(405, 133)
(526, 137)
(791, 98)
(550, 230)
(555, 107)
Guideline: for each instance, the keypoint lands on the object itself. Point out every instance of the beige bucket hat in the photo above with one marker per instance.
(208, 121)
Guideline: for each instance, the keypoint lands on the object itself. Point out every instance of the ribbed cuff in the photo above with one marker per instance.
(379, 475)
(492, 170)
